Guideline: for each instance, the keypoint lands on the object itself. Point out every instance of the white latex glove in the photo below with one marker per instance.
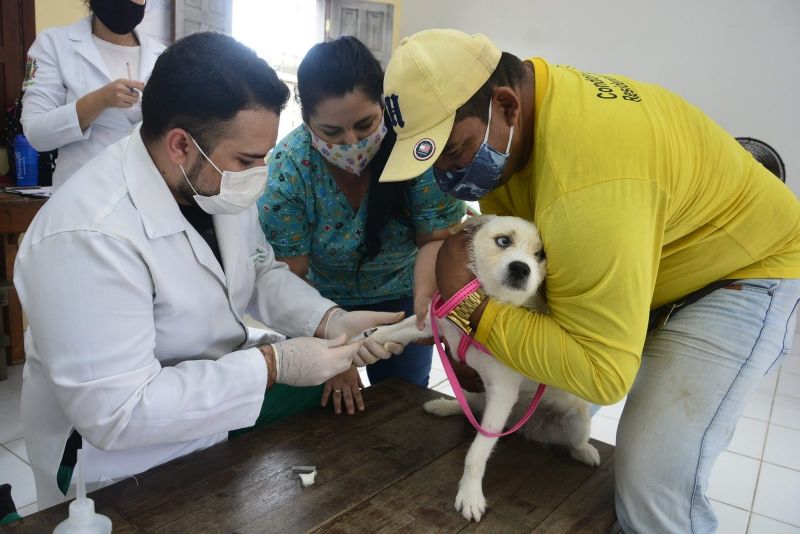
(310, 361)
(352, 324)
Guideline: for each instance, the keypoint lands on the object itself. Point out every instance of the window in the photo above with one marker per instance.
(281, 32)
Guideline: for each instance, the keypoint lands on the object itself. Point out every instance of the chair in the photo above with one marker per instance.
(765, 155)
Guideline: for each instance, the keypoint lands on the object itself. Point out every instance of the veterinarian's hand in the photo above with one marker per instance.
(310, 361)
(452, 272)
(120, 93)
(352, 323)
(345, 386)
(371, 351)
(117, 94)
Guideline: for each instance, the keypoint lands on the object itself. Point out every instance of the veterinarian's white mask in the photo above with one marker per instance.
(237, 191)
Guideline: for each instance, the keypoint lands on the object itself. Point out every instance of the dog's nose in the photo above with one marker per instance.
(518, 270)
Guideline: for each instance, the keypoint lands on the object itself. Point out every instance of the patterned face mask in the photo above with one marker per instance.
(351, 158)
(483, 173)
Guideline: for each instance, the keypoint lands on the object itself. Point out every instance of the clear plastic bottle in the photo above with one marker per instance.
(82, 517)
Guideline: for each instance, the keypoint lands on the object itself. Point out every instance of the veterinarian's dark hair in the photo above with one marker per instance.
(335, 68)
(331, 70)
(510, 72)
(201, 82)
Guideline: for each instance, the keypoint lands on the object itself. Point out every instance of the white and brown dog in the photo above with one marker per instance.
(507, 257)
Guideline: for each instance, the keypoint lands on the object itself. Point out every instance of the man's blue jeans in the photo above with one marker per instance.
(697, 373)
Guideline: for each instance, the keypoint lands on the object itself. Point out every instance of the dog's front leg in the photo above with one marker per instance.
(502, 391)
(404, 332)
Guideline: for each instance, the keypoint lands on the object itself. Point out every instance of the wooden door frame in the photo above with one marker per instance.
(24, 13)
(396, 12)
(28, 14)
(172, 22)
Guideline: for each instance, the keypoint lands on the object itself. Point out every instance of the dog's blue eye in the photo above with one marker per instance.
(503, 241)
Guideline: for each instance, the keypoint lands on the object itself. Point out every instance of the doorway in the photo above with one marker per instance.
(371, 22)
(282, 32)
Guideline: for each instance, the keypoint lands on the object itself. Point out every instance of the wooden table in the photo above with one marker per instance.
(16, 214)
(393, 468)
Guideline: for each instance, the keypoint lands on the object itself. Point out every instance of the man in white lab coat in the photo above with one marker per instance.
(136, 274)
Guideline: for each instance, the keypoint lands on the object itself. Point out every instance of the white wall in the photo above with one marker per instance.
(58, 13)
(156, 23)
(738, 60)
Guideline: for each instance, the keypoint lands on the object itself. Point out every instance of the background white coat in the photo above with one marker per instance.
(68, 67)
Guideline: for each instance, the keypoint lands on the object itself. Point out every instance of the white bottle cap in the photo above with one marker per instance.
(82, 518)
(81, 512)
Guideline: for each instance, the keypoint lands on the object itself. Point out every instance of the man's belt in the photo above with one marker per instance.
(661, 315)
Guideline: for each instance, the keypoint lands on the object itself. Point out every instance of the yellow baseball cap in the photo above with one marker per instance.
(430, 75)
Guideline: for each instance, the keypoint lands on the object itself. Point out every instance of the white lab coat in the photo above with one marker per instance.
(68, 67)
(136, 336)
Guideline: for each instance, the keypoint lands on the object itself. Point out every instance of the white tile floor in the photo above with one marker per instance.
(755, 486)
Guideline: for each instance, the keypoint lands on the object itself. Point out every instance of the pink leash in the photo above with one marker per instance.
(439, 310)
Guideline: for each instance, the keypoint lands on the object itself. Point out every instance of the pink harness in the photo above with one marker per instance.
(439, 310)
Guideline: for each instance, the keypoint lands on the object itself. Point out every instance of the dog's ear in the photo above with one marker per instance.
(472, 224)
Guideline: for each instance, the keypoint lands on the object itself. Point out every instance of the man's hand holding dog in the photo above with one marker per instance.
(452, 272)
(451, 275)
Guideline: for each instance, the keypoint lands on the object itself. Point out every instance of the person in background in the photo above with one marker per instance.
(673, 256)
(328, 218)
(83, 83)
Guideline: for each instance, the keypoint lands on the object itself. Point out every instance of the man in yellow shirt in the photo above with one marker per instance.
(642, 201)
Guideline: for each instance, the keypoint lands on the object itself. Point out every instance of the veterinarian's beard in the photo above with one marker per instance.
(192, 176)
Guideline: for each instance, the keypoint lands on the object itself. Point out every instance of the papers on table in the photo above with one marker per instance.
(34, 191)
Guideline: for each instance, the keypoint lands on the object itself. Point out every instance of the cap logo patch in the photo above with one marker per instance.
(393, 109)
(424, 149)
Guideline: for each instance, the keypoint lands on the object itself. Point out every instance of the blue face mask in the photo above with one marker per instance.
(481, 176)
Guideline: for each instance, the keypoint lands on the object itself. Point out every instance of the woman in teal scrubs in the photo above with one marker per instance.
(327, 217)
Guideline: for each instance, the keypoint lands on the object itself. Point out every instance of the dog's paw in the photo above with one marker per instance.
(586, 454)
(442, 407)
(470, 501)
(404, 332)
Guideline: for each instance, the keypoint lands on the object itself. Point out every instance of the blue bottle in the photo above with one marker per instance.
(27, 162)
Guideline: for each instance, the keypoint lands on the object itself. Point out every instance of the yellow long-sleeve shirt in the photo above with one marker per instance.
(640, 199)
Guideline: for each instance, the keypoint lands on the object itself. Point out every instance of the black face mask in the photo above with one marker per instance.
(119, 16)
